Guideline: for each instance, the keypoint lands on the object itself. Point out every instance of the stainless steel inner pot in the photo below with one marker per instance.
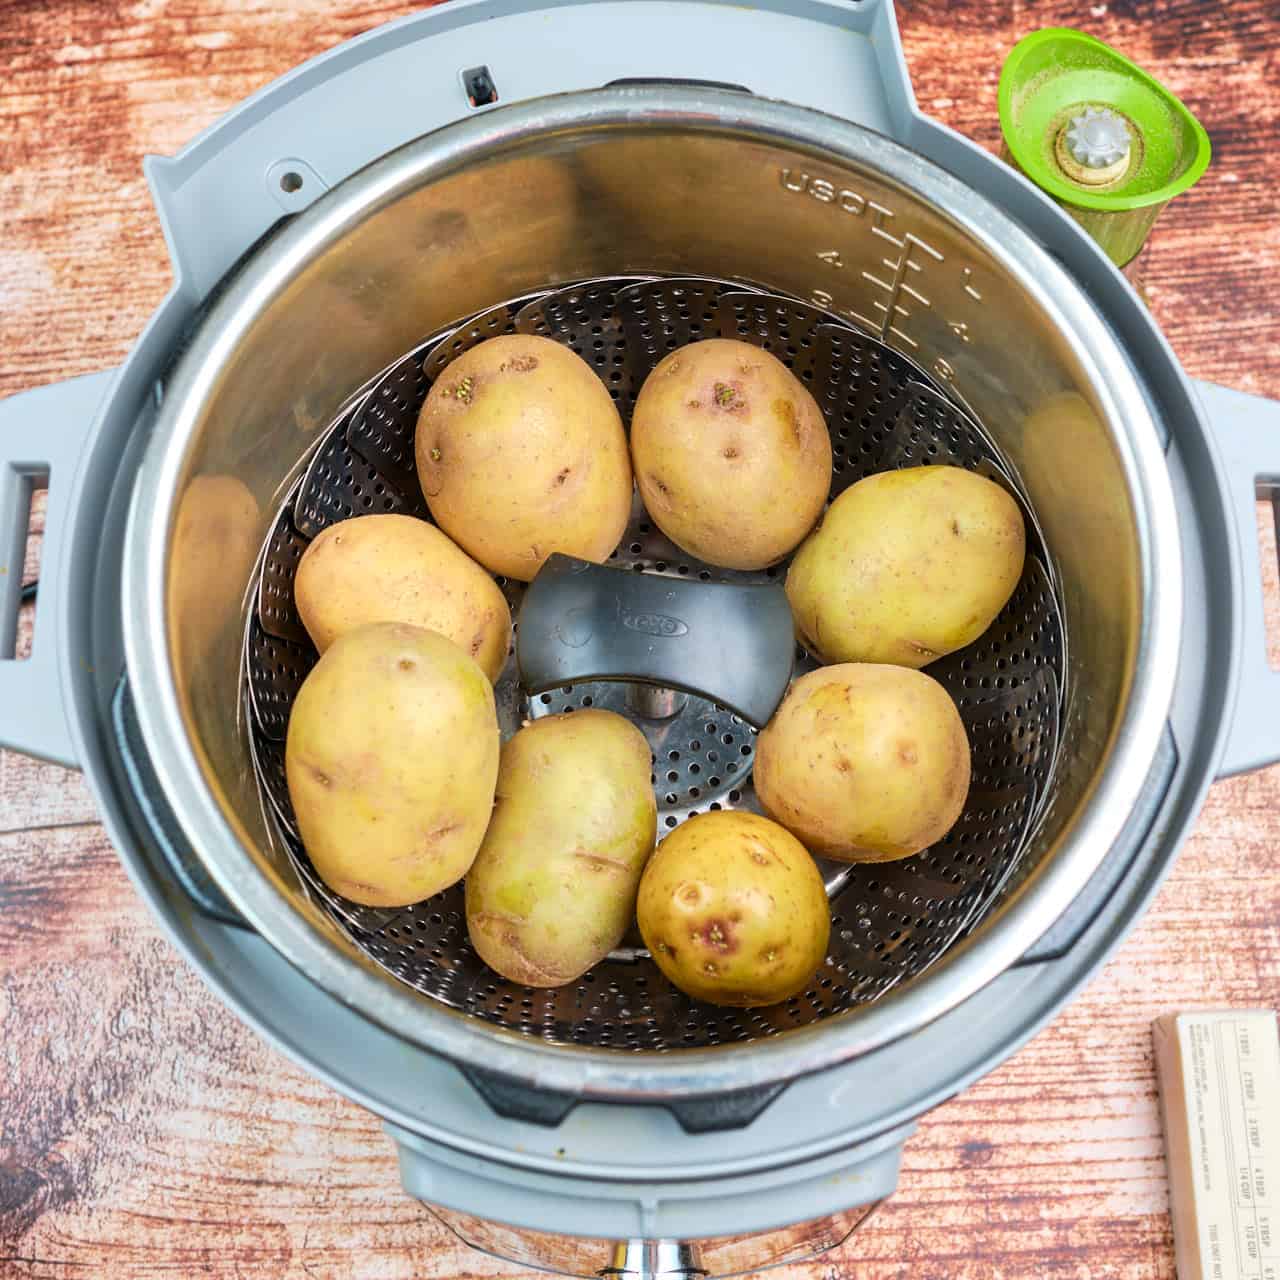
(889, 921)
(633, 181)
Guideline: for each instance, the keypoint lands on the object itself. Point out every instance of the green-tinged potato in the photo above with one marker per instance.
(388, 568)
(521, 453)
(553, 887)
(907, 566)
(731, 453)
(864, 762)
(391, 760)
(733, 910)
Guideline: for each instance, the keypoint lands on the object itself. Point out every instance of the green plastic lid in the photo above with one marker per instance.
(1056, 83)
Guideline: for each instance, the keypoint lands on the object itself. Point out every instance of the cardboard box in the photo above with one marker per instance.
(1219, 1078)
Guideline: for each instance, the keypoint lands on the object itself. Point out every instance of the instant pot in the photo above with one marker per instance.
(625, 175)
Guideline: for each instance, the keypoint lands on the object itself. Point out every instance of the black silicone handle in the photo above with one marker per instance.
(1132, 847)
(719, 1113)
(167, 838)
(733, 644)
(679, 81)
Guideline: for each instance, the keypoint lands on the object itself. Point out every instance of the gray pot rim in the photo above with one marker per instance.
(648, 1075)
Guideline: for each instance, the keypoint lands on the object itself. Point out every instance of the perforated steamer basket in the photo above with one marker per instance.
(923, 274)
(891, 921)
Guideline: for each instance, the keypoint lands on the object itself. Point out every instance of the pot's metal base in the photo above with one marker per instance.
(654, 1260)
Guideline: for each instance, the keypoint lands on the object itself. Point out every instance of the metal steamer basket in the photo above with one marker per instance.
(940, 310)
(891, 920)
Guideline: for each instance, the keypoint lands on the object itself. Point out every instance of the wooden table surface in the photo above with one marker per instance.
(145, 1132)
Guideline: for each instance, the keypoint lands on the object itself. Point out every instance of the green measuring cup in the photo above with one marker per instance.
(1098, 134)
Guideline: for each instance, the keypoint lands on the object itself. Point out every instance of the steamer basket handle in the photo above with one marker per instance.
(732, 644)
(42, 436)
(1247, 431)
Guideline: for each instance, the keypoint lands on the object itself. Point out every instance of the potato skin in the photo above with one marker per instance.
(734, 911)
(864, 762)
(521, 452)
(393, 568)
(553, 887)
(391, 759)
(731, 453)
(907, 566)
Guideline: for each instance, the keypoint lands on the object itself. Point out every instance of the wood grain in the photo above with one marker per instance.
(145, 1132)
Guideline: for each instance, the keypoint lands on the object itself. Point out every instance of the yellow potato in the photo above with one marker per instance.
(731, 453)
(388, 568)
(553, 887)
(864, 762)
(907, 566)
(391, 760)
(521, 453)
(733, 910)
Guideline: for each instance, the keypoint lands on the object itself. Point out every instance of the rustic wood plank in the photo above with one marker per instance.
(1056, 1156)
(144, 1131)
(32, 793)
(35, 794)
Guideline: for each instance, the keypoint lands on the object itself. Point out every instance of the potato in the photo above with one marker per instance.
(391, 760)
(864, 762)
(733, 910)
(521, 453)
(731, 453)
(907, 566)
(388, 568)
(553, 887)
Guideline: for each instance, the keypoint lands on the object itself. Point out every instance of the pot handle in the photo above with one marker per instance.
(1247, 431)
(42, 437)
